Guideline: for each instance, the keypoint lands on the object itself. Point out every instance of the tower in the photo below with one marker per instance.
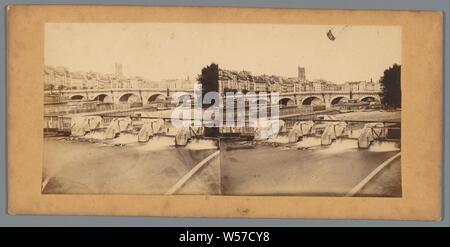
(301, 73)
(118, 70)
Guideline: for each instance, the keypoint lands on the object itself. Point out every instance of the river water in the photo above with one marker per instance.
(124, 166)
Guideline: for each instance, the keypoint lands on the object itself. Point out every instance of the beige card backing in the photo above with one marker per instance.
(422, 97)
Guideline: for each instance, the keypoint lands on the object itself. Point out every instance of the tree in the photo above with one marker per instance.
(391, 95)
(209, 79)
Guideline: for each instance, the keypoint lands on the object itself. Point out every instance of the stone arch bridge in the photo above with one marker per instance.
(148, 96)
(327, 98)
(122, 95)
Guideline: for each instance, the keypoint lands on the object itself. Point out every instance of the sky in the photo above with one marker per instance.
(160, 51)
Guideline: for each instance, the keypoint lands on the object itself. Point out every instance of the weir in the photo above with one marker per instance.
(330, 130)
(150, 128)
(185, 134)
(145, 127)
(290, 127)
(333, 131)
(116, 126)
(301, 129)
(371, 132)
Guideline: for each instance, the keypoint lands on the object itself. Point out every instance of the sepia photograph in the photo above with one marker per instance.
(222, 109)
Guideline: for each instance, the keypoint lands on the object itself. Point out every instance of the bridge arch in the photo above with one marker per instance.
(104, 98)
(338, 99)
(369, 98)
(77, 97)
(154, 97)
(286, 102)
(129, 98)
(312, 100)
